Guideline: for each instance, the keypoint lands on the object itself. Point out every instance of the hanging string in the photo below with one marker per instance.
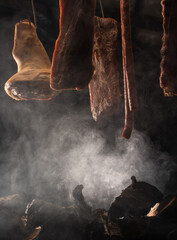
(34, 13)
(101, 6)
(29, 19)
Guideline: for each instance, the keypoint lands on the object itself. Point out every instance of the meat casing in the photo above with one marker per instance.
(104, 86)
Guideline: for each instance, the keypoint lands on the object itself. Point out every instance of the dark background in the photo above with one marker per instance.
(48, 147)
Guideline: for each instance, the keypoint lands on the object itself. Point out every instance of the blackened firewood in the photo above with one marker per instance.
(135, 200)
(159, 228)
(170, 209)
(11, 211)
(33, 234)
(12, 203)
(154, 211)
(84, 209)
(166, 208)
(132, 228)
(115, 230)
(65, 225)
(39, 213)
(172, 235)
(97, 229)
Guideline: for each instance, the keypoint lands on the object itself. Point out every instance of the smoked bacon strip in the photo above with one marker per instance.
(72, 67)
(168, 77)
(104, 86)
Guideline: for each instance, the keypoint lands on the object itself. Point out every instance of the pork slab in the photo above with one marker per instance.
(104, 86)
(72, 59)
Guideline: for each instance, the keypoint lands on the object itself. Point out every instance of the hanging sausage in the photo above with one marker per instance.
(72, 59)
(168, 77)
(104, 86)
(32, 81)
(129, 116)
(130, 94)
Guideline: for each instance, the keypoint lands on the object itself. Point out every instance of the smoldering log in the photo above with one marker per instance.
(12, 220)
(46, 220)
(82, 206)
(67, 222)
(135, 200)
(166, 208)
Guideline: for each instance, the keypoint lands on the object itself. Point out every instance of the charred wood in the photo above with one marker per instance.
(135, 200)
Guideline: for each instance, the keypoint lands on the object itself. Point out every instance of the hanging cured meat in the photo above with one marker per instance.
(72, 60)
(32, 81)
(168, 77)
(127, 53)
(129, 116)
(130, 94)
(104, 86)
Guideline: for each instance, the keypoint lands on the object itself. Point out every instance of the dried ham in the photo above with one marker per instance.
(168, 77)
(32, 81)
(72, 59)
(104, 86)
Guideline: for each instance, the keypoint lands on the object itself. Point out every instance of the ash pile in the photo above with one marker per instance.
(140, 212)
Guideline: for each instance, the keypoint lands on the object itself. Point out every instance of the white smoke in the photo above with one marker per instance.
(70, 150)
(49, 147)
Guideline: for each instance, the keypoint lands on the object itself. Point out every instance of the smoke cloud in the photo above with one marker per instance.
(54, 153)
(47, 148)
